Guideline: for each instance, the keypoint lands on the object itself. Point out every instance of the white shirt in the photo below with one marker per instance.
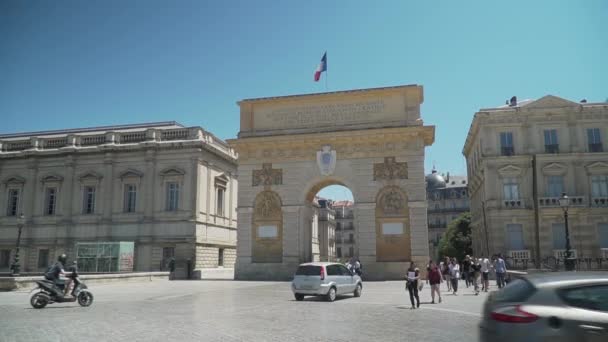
(485, 265)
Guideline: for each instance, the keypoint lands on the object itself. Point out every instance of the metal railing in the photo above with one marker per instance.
(575, 201)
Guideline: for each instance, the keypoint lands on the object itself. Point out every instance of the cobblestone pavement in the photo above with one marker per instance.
(241, 311)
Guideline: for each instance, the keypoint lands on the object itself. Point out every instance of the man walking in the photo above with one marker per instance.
(485, 274)
(501, 270)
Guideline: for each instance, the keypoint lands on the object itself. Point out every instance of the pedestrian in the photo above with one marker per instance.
(455, 275)
(475, 274)
(358, 267)
(501, 268)
(434, 278)
(446, 272)
(172, 268)
(412, 276)
(466, 269)
(485, 274)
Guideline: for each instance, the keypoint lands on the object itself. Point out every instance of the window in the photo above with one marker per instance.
(594, 140)
(351, 251)
(339, 252)
(555, 186)
(50, 201)
(333, 270)
(13, 202)
(43, 258)
(88, 206)
(587, 297)
(518, 291)
(559, 236)
(603, 234)
(220, 257)
(515, 237)
(510, 189)
(551, 145)
(220, 201)
(130, 198)
(351, 239)
(172, 196)
(344, 271)
(599, 186)
(338, 225)
(309, 270)
(5, 258)
(506, 143)
(436, 206)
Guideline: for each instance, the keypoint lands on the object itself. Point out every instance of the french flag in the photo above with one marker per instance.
(322, 67)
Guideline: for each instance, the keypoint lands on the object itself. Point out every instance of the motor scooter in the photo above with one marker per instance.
(48, 293)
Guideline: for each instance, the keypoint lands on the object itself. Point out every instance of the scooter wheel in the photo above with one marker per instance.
(85, 298)
(39, 300)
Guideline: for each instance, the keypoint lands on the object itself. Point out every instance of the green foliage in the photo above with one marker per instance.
(456, 241)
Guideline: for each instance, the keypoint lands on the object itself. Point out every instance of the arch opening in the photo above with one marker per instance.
(332, 233)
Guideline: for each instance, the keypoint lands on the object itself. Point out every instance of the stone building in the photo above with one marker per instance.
(139, 193)
(369, 140)
(327, 230)
(447, 198)
(521, 157)
(345, 229)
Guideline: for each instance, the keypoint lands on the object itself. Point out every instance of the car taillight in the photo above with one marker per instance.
(513, 314)
(322, 273)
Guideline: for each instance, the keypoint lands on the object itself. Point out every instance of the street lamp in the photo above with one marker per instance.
(564, 202)
(15, 267)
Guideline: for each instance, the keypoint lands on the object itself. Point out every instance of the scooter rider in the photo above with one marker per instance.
(57, 273)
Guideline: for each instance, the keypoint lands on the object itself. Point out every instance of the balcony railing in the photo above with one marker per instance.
(175, 134)
(596, 147)
(55, 142)
(600, 202)
(90, 140)
(507, 151)
(552, 148)
(132, 137)
(575, 201)
(561, 253)
(437, 225)
(523, 254)
(339, 215)
(513, 204)
(19, 145)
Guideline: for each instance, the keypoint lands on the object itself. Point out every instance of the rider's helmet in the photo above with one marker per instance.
(62, 259)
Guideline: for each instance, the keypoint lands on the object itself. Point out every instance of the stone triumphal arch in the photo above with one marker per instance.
(371, 141)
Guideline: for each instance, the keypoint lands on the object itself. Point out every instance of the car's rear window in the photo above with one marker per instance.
(518, 290)
(309, 270)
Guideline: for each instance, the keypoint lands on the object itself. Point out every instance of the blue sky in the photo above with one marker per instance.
(82, 63)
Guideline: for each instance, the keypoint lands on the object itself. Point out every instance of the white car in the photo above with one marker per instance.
(327, 279)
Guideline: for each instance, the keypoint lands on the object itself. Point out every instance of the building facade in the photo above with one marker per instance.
(521, 158)
(161, 190)
(327, 230)
(345, 229)
(447, 198)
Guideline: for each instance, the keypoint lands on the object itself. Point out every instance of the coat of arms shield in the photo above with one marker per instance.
(326, 159)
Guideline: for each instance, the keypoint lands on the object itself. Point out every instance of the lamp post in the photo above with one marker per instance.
(15, 267)
(564, 202)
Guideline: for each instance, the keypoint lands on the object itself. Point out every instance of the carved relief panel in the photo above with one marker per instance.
(393, 235)
(267, 228)
(390, 169)
(267, 176)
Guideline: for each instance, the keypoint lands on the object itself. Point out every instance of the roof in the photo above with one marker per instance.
(456, 182)
(94, 129)
(327, 93)
(559, 279)
(318, 263)
(345, 203)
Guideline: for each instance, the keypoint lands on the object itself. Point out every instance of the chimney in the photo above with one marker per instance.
(584, 101)
(513, 101)
(447, 179)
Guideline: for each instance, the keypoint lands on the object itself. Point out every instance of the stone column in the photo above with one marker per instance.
(195, 188)
(108, 187)
(291, 234)
(149, 192)
(365, 231)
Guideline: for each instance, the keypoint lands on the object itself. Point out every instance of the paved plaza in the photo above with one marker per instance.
(241, 311)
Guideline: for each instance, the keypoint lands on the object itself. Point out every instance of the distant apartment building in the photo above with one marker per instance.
(521, 158)
(119, 198)
(327, 230)
(447, 198)
(345, 229)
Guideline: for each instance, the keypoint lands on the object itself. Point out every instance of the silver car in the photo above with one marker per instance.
(553, 307)
(325, 279)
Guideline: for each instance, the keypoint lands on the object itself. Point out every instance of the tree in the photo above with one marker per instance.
(456, 241)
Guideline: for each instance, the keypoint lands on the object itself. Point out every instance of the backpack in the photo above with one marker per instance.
(48, 274)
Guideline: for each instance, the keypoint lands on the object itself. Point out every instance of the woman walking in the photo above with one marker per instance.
(445, 270)
(412, 276)
(455, 275)
(434, 280)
